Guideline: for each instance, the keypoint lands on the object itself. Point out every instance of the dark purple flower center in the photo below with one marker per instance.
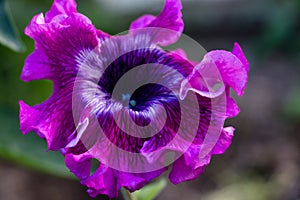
(163, 78)
(132, 87)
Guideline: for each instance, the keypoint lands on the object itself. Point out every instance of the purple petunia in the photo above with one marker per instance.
(125, 101)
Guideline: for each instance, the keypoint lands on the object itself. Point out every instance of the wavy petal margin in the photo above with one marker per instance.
(59, 41)
(170, 18)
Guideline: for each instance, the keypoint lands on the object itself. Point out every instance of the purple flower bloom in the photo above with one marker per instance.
(126, 102)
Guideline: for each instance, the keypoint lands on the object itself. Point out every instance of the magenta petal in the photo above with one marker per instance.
(102, 35)
(51, 120)
(238, 52)
(217, 71)
(182, 172)
(190, 165)
(205, 80)
(37, 66)
(170, 18)
(28, 116)
(73, 33)
(58, 47)
(224, 141)
(232, 70)
(109, 181)
(142, 22)
(232, 108)
(79, 165)
(61, 7)
(181, 54)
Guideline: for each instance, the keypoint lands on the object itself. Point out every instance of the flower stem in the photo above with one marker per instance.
(126, 194)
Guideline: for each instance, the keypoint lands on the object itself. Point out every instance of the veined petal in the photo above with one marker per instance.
(37, 66)
(232, 108)
(190, 165)
(234, 70)
(80, 165)
(142, 22)
(169, 19)
(218, 69)
(58, 45)
(238, 52)
(61, 7)
(52, 119)
(182, 172)
(224, 140)
(109, 181)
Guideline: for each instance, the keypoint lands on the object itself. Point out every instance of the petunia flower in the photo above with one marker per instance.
(125, 101)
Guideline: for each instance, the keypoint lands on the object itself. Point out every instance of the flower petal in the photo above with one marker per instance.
(190, 165)
(182, 172)
(142, 22)
(215, 72)
(79, 165)
(170, 18)
(205, 80)
(37, 66)
(58, 45)
(232, 108)
(233, 69)
(224, 141)
(51, 120)
(61, 41)
(109, 181)
(238, 52)
(61, 7)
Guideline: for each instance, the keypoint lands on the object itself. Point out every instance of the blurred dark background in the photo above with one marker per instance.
(263, 161)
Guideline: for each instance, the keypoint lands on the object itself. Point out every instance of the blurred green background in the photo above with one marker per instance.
(262, 163)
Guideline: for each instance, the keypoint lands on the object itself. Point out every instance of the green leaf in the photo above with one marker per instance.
(28, 150)
(149, 192)
(249, 189)
(9, 35)
(292, 104)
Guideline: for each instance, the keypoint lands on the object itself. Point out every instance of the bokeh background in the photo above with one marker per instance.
(263, 161)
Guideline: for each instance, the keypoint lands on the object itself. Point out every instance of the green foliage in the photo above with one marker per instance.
(246, 190)
(8, 31)
(292, 105)
(149, 192)
(280, 31)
